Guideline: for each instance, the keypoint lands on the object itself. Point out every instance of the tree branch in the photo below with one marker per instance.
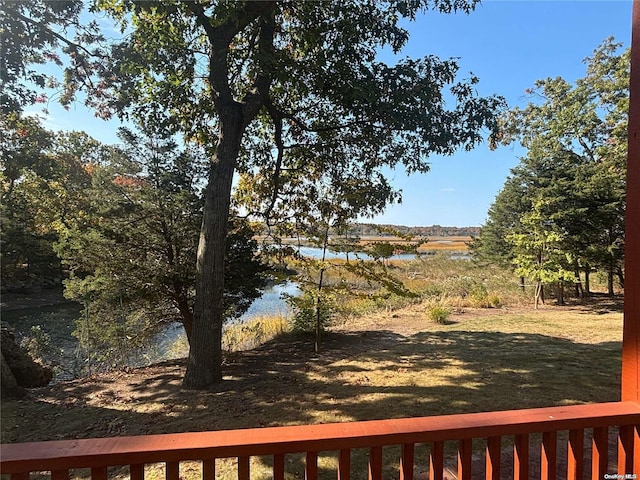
(62, 38)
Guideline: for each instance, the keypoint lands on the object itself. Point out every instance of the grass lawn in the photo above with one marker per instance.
(379, 366)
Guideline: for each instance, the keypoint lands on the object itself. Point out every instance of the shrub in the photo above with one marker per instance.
(494, 301)
(38, 345)
(439, 313)
(305, 311)
(479, 296)
(433, 290)
(460, 286)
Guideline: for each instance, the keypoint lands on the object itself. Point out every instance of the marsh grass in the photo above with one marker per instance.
(438, 313)
(452, 282)
(250, 334)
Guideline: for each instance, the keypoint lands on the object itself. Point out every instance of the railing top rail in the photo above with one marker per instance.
(97, 452)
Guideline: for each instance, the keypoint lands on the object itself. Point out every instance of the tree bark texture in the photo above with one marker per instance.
(204, 364)
(9, 387)
(587, 282)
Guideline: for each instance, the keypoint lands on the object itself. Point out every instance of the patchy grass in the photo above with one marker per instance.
(378, 366)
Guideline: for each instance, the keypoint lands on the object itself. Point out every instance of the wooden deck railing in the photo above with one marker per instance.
(59, 457)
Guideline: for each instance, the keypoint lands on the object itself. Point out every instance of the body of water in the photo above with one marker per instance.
(58, 321)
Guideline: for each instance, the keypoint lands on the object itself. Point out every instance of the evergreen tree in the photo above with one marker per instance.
(132, 255)
(573, 173)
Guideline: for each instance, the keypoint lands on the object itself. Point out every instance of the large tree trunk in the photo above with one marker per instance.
(587, 283)
(204, 365)
(610, 290)
(560, 293)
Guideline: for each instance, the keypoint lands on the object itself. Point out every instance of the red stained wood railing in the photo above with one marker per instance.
(548, 452)
(492, 457)
(521, 456)
(98, 454)
(406, 461)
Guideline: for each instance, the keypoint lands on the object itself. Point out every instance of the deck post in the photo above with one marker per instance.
(631, 331)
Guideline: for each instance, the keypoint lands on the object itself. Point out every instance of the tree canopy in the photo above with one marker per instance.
(572, 178)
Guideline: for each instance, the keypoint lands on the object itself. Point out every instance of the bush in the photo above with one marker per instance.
(305, 314)
(433, 290)
(479, 296)
(460, 286)
(38, 345)
(439, 313)
(494, 301)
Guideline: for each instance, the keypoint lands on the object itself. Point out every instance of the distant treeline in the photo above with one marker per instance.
(370, 229)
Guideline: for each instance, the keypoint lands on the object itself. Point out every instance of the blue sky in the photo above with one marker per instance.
(508, 45)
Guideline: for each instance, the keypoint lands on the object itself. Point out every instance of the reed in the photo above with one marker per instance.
(252, 333)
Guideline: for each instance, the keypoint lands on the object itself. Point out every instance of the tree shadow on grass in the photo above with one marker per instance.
(356, 376)
(599, 303)
(31, 419)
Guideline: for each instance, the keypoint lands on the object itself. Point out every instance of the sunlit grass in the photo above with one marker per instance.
(256, 331)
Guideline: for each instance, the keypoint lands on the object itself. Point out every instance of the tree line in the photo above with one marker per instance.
(369, 229)
(122, 223)
(560, 215)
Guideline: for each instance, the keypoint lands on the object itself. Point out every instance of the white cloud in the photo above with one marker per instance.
(448, 189)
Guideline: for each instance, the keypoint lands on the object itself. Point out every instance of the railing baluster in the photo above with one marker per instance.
(599, 453)
(406, 461)
(493, 452)
(636, 449)
(209, 469)
(173, 471)
(60, 475)
(465, 448)
(99, 473)
(136, 472)
(625, 449)
(375, 463)
(278, 467)
(344, 465)
(521, 457)
(549, 456)
(436, 461)
(575, 452)
(243, 468)
(311, 466)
